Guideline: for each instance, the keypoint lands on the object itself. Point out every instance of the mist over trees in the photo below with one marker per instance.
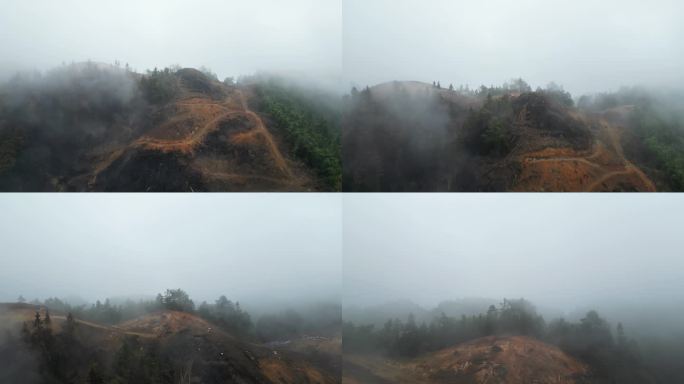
(410, 136)
(310, 121)
(45, 350)
(316, 318)
(606, 348)
(656, 127)
(227, 315)
(48, 121)
(57, 127)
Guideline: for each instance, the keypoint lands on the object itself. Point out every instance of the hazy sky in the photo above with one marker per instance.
(564, 251)
(586, 45)
(232, 37)
(250, 247)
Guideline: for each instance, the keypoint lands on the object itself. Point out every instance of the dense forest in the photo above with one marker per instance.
(311, 124)
(47, 121)
(611, 353)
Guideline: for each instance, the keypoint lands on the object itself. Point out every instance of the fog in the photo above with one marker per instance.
(231, 37)
(619, 254)
(260, 249)
(586, 46)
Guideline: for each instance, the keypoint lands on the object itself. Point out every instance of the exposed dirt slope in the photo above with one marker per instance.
(510, 360)
(208, 346)
(412, 136)
(206, 139)
(603, 167)
(211, 354)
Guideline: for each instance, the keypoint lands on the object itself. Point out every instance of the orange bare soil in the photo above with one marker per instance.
(603, 168)
(213, 144)
(490, 360)
(413, 137)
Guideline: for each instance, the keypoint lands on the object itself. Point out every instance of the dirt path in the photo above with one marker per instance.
(189, 143)
(614, 152)
(270, 141)
(614, 136)
(562, 159)
(236, 176)
(107, 328)
(234, 106)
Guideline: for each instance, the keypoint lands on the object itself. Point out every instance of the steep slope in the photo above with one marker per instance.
(203, 352)
(410, 136)
(93, 127)
(489, 360)
(206, 139)
(599, 166)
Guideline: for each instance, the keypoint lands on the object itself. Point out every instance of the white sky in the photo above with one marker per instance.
(586, 45)
(250, 247)
(562, 251)
(232, 37)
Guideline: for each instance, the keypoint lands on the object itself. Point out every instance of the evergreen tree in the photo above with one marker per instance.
(94, 375)
(48, 320)
(70, 325)
(37, 322)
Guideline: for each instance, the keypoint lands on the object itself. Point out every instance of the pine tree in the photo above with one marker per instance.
(621, 339)
(36, 320)
(70, 325)
(94, 375)
(47, 320)
(25, 333)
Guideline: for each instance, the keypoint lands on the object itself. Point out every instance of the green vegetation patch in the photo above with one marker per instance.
(664, 140)
(312, 130)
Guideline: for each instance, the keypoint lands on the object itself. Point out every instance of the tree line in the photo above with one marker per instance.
(606, 349)
(311, 129)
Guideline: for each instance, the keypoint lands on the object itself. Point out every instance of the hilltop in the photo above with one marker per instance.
(93, 127)
(509, 360)
(413, 136)
(180, 344)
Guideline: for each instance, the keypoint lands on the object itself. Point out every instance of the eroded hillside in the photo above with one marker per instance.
(410, 136)
(180, 130)
(178, 346)
(488, 360)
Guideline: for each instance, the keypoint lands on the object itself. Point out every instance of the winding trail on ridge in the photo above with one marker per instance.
(111, 328)
(260, 129)
(187, 145)
(613, 135)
